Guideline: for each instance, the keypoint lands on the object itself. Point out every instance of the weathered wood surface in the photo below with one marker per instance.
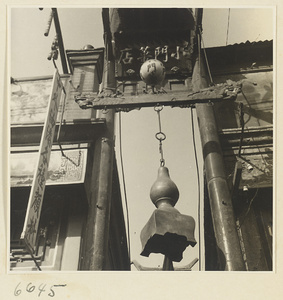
(257, 99)
(257, 138)
(29, 99)
(71, 132)
(257, 167)
(183, 98)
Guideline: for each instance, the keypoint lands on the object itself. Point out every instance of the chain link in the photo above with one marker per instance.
(160, 135)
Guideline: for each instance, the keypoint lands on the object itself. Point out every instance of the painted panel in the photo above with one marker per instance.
(66, 169)
(29, 101)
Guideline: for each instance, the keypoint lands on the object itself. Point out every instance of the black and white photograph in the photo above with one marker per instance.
(140, 140)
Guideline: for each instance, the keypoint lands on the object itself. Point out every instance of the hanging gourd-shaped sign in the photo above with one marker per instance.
(152, 72)
(167, 231)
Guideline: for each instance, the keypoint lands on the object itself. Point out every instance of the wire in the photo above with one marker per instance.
(198, 179)
(250, 107)
(248, 210)
(61, 121)
(55, 66)
(228, 27)
(242, 128)
(124, 183)
(206, 60)
(62, 115)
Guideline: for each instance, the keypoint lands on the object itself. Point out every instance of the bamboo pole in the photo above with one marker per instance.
(60, 40)
(230, 256)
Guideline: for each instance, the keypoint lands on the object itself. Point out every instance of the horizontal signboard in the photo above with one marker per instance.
(66, 169)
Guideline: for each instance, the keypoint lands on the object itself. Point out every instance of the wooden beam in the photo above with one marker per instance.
(81, 131)
(182, 98)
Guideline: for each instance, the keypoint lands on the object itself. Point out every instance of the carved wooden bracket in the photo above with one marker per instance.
(219, 92)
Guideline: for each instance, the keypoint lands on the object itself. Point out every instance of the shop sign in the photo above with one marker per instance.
(63, 169)
(38, 186)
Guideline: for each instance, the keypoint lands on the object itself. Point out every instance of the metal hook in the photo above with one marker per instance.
(75, 88)
(162, 162)
(105, 110)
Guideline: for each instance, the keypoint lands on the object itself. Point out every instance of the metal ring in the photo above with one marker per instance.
(160, 136)
(158, 107)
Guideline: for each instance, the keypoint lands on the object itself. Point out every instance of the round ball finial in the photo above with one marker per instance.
(152, 72)
(164, 190)
(88, 47)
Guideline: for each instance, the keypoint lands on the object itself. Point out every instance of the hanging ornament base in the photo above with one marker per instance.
(168, 232)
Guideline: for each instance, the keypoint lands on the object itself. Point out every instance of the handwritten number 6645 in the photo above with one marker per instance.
(30, 288)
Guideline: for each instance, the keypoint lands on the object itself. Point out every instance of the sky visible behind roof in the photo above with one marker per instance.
(81, 26)
(29, 49)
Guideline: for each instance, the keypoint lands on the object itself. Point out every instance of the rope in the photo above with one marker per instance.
(124, 183)
(55, 66)
(61, 120)
(60, 125)
(206, 60)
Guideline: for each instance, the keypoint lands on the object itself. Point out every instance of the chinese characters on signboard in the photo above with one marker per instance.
(39, 180)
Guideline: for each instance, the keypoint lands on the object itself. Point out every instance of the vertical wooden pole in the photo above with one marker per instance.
(167, 264)
(60, 41)
(105, 172)
(230, 256)
(95, 251)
